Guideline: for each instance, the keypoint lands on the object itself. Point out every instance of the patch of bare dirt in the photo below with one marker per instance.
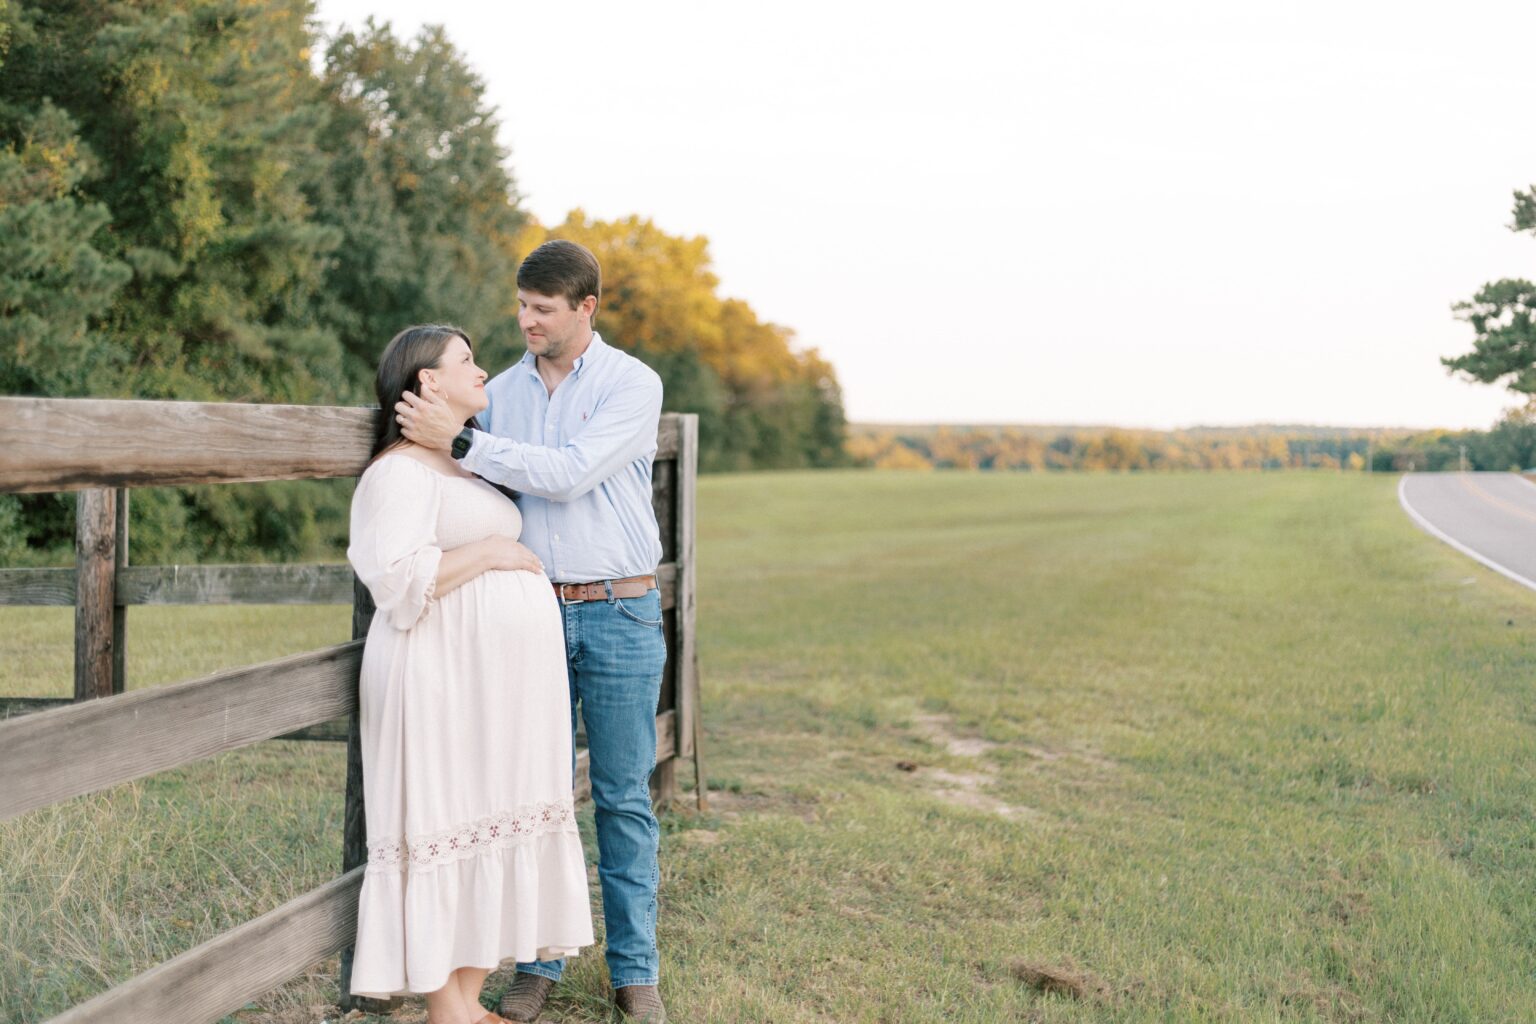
(968, 789)
(1063, 979)
(939, 730)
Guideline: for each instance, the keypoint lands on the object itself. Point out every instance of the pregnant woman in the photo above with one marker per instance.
(473, 853)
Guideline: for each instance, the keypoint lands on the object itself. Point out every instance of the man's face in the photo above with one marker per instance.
(551, 327)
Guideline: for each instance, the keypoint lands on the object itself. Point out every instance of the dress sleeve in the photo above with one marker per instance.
(394, 537)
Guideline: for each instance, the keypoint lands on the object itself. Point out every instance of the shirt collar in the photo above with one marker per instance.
(594, 353)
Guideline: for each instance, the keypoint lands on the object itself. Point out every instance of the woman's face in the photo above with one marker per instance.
(458, 380)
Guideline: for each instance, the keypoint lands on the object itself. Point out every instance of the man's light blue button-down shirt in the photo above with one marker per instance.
(579, 460)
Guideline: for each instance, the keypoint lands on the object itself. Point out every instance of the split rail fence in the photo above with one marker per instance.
(52, 749)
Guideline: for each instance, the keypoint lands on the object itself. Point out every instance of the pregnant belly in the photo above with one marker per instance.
(505, 598)
(496, 639)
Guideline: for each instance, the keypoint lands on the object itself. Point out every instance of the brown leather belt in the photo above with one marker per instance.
(629, 586)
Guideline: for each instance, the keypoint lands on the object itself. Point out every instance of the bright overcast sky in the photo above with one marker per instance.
(1148, 214)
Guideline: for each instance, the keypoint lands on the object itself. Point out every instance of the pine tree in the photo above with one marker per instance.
(55, 276)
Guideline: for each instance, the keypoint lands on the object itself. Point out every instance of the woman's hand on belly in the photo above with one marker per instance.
(491, 554)
(510, 555)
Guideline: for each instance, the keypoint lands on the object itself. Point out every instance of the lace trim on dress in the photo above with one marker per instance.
(496, 832)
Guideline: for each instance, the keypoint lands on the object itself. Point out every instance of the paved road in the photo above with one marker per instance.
(1489, 516)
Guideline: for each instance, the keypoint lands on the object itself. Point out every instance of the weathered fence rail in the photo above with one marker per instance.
(222, 974)
(213, 584)
(146, 731)
(70, 444)
(103, 448)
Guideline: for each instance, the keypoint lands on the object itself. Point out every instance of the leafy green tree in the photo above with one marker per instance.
(419, 193)
(1510, 445)
(1501, 313)
(55, 278)
(224, 112)
(202, 116)
(196, 126)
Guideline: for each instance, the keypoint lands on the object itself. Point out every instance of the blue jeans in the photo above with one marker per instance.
(616, 653)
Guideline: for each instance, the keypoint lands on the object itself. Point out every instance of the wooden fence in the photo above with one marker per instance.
(101, 449)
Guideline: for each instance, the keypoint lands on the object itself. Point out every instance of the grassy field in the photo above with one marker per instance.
(1048, 748)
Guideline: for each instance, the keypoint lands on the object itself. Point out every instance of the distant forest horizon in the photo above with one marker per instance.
(1509, 445)
(1321, 429)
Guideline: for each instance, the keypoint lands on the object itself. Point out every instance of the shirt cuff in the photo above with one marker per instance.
(471, 458)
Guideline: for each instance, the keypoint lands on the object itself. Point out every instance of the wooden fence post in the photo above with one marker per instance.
(354, 821)
(95, 591)
(688, 718)
(119, 610)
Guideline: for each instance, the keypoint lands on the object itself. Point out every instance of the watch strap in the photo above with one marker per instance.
(462, 443)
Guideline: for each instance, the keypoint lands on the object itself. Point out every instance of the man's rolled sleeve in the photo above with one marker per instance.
(622, 428)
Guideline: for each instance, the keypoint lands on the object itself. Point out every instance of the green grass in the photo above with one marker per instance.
(1239, 748)
(97, 889)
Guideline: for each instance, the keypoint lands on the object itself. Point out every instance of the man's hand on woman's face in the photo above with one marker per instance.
(427, 420)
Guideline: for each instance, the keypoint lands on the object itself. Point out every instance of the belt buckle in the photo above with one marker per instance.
(566, 602)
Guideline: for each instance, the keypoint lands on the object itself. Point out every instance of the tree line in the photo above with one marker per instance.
(207, 200)
(1510, 445)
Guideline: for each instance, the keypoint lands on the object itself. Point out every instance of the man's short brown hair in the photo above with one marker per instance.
(559, 267)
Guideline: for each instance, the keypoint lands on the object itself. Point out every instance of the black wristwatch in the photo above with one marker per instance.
(462, 443)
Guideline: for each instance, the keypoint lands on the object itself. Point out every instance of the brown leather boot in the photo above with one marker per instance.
(525, 998)
(640, 1003)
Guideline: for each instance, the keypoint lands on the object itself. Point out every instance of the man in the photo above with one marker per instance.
(572, 429)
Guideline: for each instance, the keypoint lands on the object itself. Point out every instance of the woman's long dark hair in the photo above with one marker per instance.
(407, 354)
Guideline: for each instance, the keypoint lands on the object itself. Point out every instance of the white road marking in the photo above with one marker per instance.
(1433, 531)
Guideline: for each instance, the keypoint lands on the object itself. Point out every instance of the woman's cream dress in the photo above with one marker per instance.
(473, 853)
